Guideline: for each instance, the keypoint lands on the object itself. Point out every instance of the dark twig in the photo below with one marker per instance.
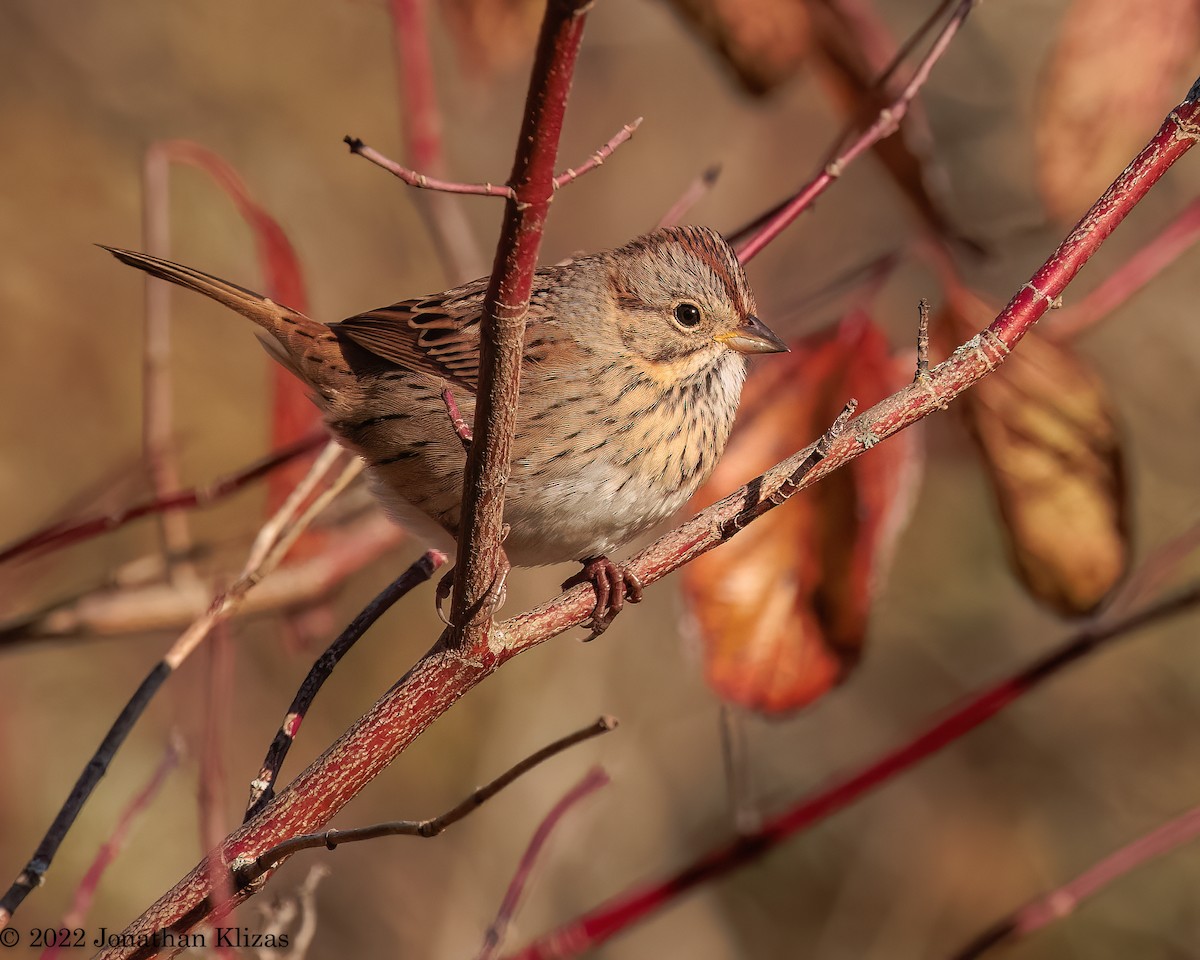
(887, 123)
(922, 373)
(599, 925)
(1064, 901)
(461, 428)
(262, 787)
(252, 871)
(62, 535)
(592, 781)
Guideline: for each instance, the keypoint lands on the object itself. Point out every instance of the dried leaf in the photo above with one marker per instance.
(782, 609)
(1115, 69)
(763, 41)
(1051, 447)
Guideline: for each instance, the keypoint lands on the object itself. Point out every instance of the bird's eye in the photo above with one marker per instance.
(687, 315)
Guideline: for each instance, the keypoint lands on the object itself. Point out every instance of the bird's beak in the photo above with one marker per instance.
(753, 336)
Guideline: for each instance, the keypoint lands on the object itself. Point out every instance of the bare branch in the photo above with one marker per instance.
(420, 180)
(421, 121)
(695, 192)
(1067, 898)
(592, 781)
(502, 327)
(248, 873)
(158, 440)
(597, 158)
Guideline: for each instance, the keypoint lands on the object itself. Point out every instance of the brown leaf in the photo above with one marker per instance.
(763, 41)
(782, 608)
(1115, 69)
(1050, 444)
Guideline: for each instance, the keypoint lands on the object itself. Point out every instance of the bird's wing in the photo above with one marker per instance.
(437, 335)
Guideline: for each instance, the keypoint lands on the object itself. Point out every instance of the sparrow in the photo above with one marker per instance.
(634, 360)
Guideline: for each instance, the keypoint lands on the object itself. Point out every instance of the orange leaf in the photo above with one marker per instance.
(1051, 448)
(782, 608)
(1114, 70)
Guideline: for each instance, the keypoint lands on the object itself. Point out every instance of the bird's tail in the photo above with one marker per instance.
(289, 336)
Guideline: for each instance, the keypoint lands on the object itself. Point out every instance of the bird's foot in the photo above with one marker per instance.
(613, 584)
(495, 597)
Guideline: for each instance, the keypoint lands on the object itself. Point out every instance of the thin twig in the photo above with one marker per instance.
(887, 123)
(1067, 898)
(610, 918)
(735, 756)
(592, 781)
(597, 158)
(251, 871)
(422, 181)
(262, 787)
(62, 535)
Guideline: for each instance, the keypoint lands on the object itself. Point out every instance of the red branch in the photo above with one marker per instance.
(63, 535)
(887, 123)
(592, 781)
(1063, 901)
(609, 919)
(86, 891)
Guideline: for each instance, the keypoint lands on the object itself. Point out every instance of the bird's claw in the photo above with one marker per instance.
(613, 584)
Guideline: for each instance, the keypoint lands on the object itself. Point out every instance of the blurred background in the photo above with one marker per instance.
(1096, 758)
